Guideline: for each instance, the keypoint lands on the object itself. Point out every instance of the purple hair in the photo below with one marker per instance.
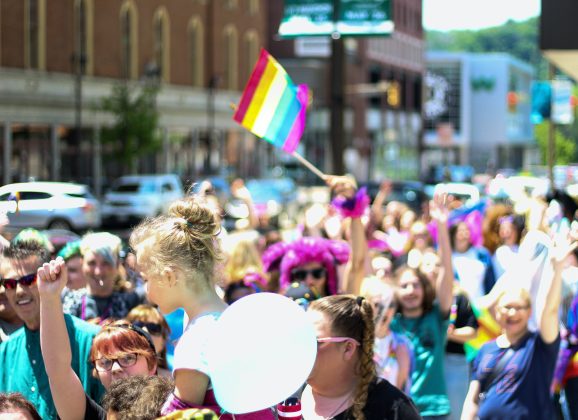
(286, 256)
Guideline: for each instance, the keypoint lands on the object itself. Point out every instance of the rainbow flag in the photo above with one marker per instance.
(488, 329)
(271, 106)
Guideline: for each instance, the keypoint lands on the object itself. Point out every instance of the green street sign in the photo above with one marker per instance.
(354, 18)
(365, 17)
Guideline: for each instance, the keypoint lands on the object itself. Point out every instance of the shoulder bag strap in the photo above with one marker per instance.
(499, 367)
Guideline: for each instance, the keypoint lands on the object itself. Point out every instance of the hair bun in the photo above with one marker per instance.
(197, 215)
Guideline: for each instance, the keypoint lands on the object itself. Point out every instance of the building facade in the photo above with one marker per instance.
(477, 112)
(58, 60)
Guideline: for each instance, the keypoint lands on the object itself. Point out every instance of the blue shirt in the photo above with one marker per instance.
(522, 389)
(22, 367)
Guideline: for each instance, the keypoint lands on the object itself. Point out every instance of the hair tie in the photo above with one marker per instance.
(359, 300)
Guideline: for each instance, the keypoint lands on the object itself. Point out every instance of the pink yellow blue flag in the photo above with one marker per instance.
(272, 107)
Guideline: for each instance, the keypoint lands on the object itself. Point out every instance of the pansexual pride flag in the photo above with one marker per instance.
(271, 106)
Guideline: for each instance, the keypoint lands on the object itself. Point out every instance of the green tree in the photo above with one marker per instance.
(519, 39)
(134, 133)
(565, 146)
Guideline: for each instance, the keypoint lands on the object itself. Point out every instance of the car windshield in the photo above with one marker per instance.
(134, 187)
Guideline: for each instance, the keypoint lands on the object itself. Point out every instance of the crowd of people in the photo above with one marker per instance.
(455, 312)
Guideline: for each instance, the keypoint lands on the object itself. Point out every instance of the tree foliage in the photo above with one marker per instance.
(520, 39)
(134, 132)
(565, 146)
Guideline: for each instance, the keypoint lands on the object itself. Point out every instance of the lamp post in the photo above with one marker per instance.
(210, 136)
(79, 63)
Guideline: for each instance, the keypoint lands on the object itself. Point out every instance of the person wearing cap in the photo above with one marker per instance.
(119, 350)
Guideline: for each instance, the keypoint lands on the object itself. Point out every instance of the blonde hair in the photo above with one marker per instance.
(185, 240)
(520, 292)
(352, 317)
(243, 258)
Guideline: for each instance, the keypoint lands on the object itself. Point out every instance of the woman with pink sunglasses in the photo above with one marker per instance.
(343, 383)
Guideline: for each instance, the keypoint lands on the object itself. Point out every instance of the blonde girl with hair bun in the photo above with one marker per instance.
(177, 255)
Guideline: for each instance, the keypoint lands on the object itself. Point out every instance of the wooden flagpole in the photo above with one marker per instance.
(309, 166)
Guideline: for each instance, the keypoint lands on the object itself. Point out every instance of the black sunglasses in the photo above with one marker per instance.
(301, 274)
(152, 327)
(27, 280)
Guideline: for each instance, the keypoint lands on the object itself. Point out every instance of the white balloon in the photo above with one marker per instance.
(262, 352)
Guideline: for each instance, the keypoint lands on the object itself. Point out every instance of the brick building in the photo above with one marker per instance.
(53, 53)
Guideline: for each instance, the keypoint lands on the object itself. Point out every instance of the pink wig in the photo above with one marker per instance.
(287, 256)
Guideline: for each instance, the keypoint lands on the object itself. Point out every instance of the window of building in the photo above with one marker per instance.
(231, 4)
(128, 41)
(252, 51)
(253, 7)
(196, 48)
(34, 29)
(161, 44)
(231, 57)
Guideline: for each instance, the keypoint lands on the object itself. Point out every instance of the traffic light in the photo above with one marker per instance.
(394, 94)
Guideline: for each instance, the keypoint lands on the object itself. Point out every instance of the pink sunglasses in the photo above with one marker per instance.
(337, 340)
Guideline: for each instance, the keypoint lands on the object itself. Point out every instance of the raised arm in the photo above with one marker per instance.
(377, 206)
(549, 323)
(65, 386)
(444, 285)
(355, 269)
(240, 191)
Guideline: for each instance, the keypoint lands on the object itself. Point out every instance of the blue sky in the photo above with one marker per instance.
(445, 15)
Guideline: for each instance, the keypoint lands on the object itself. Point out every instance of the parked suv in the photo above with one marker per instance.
(135, 197)
(53, 205)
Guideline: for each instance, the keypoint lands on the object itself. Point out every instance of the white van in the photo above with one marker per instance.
(134, 197)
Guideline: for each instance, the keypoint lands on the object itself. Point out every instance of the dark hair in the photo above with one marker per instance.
(24, 249)
(138, 397)
(454, 231)
(15, 400)
(234, 287)
(519, 223)
(429, 293)
(352, 316)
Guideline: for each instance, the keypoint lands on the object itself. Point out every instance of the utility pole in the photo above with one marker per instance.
(337, 96)
(79, 63)
(551, 134)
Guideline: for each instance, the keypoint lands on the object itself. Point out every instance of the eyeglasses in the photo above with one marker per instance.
(104, 364)
(301, 274)
(27, 280)
(337, 340)
(152, 327)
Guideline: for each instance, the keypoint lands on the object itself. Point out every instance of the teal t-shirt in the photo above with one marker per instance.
(428, 335)
(22, 367)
